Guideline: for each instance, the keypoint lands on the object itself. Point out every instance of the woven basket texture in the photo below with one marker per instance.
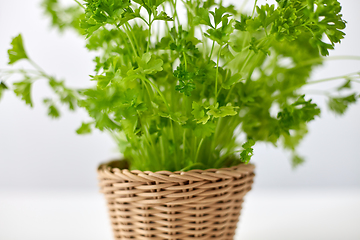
(198, 204)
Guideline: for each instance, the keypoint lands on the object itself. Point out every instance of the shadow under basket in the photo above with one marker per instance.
(198, 204)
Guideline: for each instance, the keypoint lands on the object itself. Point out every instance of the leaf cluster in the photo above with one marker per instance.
(175, 91)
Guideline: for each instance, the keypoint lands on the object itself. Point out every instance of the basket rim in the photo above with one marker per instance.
(194, 175)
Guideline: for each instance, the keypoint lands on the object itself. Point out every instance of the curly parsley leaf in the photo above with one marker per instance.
(247, 151)
(292, 116)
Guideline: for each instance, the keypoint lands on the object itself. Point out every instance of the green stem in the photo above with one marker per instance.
(198, 149)
(174, 142)
(320, 81)
(217, 73)
(158, 90)
(12, 71)
(130, 40)
(133, 36)
(184, 144)
(212, 49)
(336, 78)
(147, 90)
(149, 37)
(321, 59)
(162, 149)
(185, 61)
(37, 67)
(218, 124)
(82, 6)
(174, 3)
(253, 12)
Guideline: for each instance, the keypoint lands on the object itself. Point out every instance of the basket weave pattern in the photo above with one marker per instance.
(198, 204)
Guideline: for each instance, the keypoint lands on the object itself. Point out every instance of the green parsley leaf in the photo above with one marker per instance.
(17, 52)
(297, 160)
(346, 85)
(53, 111)
(23, 90)
(3, 87)
(199, 113)
(85, 128)
(247, 151)
(163, 16)
(223, 111)
(340, 104)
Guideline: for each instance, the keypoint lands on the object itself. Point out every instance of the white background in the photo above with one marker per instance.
(41, 159)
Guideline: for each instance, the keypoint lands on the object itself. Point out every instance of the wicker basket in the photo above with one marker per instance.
(198, 204)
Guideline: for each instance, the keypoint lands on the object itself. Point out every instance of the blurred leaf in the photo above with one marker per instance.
(17, 52)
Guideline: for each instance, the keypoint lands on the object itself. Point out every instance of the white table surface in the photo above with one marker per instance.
(267, 215)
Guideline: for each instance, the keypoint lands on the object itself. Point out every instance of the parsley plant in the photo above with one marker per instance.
(175, 91)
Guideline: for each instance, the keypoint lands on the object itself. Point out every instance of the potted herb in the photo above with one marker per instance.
(177, 91)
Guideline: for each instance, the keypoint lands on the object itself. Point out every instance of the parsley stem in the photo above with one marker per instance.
(128, 26)
(82, 6)
(290, 90)
(130, 40)
(212, 49)
(185, 61)
(162, 149)
(321, 59)
(253, 12)
(11, 71)
(184, 144)
(337, 78)
(198, 149)
(147, 90)
(174, 3)
(37, 67)
(217, 73)
(174, 142)
(218, 124)
(149, 37)
(158, 90)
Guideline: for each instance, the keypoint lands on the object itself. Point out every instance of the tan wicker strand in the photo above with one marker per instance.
(198, 204)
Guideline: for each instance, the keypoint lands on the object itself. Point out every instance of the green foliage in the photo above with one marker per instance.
(85, 128)
(53, 111)
(17, 52)
(248, 151)
(63, 17)
(339, 104)
(174, 99)
(23, 90)
(3, 87)
(297, 160)
(293, 116)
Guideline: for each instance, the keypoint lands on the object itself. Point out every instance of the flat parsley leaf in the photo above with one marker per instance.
(339, 104)
(17, 52)
(23, 89)
(85, 128)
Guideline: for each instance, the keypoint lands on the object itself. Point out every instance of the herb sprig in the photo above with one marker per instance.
(175, 92)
